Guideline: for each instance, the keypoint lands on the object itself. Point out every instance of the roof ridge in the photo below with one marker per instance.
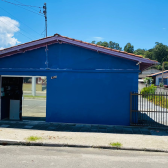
(100, 46)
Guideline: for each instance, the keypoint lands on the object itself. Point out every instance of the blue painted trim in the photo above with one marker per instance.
(71, 70)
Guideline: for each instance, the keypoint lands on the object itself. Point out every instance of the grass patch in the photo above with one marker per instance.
(34, 97)
(116, 144)
(33, 138)
(161, 101)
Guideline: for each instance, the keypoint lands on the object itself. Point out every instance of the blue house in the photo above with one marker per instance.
(86, 83)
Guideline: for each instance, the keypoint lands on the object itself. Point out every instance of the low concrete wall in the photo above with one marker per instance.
(162, 90)
(28, 87)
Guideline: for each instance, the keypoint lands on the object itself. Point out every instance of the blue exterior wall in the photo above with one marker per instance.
(91, 87)
(66, 56)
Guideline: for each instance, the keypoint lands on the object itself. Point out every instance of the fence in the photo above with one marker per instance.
(149, 109)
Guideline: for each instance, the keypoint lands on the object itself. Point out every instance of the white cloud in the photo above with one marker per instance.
(98, 38)
(8, 27)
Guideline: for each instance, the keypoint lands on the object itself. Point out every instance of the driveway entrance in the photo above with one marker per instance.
(149, 109)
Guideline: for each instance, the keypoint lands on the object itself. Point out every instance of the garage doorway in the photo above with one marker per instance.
(23, 98)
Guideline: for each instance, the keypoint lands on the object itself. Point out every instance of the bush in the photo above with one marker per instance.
(159, 100)
(148, 90)
(148, 81)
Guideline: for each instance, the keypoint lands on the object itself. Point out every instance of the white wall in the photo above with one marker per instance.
(150, 71)
(141, 86)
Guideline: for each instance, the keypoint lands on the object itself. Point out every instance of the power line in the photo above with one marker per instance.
(18, 32)
(22, 7)
(21, 4)
(29, 6)
(21, 21)
(21, 29)
(43, 32)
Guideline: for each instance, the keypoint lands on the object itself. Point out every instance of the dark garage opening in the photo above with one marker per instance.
(17, 101)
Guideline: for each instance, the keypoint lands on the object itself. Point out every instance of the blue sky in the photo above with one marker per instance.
(140, 22)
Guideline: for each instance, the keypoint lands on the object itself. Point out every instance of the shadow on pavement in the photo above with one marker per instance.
(42, 125)
(145, 120)
(29, 118)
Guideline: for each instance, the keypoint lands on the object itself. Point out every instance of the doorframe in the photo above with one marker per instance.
(20, 75)
(0, 94)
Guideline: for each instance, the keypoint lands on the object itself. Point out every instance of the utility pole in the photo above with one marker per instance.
(163, 64)
(45, 15)
(162, 71)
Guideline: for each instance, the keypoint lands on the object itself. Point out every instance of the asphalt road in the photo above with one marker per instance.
(34, 108)
(45, 157)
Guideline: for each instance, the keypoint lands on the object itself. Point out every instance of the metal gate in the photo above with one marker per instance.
(149, 109)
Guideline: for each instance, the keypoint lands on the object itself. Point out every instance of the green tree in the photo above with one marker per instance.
(149, 55)
(114, 45)
(129, 48)
(109, 44)
(117, 47)
(148, 81)
(140, 52)
(99, 43)
(105, 44)
(160, 52)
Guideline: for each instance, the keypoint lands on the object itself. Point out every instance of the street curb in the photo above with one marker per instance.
(25, 143)
(29, 98)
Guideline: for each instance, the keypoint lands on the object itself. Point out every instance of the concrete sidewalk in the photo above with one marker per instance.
(156, 140)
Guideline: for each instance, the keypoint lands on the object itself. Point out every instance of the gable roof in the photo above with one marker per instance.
(156, 74)
(57, 38)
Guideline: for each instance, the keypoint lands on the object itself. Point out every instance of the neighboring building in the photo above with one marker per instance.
(39, 80)
(147, 72)
(86, 83)
(157, 77)
(143, 75)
